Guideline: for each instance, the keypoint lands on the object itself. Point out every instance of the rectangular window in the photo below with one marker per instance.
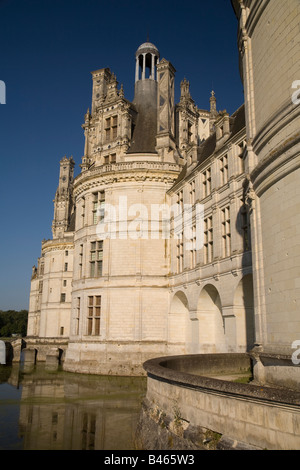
(82, 212)
(80, 260)
(111, 128)
(96, 258)
(61, 330)
(66, 267)
(40, 287)
(208, 240)
(179, 255)
(226, 231)
(224, 169)
(62, 297)
(206, 181)
(64, 283)
(192, 192)
(94, 315)
(98, 206)
(193, 249)
(77, 316)
(42, 269)
(110, 158)
(180, 200)
(114, 127)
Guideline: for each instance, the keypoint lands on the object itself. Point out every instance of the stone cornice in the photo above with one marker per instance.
(278, 164)
(126, 171)
(257, 8)
(57, 244)
(276, 123)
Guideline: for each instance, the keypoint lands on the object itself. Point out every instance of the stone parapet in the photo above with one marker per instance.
(245, 414)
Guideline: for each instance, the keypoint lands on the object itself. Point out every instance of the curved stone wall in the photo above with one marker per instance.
(268, 42)
(186, 404)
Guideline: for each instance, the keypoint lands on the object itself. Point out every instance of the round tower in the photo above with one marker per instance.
(272, 161)
(120, 282)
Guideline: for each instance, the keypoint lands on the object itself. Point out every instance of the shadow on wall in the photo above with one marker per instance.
(244, 295)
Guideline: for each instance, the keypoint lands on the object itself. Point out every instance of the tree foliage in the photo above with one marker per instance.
(13, 322)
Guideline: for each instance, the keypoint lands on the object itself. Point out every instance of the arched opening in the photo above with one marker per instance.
(244, 313)
(141, 66)
(60, 355)
(177, 321)
(211, 324)
(146, 64)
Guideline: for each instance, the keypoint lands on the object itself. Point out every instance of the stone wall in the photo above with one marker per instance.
(197, 407)
(268, 41)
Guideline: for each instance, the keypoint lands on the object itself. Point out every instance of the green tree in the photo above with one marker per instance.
(13, 322)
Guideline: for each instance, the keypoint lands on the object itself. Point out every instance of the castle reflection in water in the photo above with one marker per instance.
(66, 411)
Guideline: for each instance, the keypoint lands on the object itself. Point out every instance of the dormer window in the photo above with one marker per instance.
(111, 128)
(223, 161)
(222, 127)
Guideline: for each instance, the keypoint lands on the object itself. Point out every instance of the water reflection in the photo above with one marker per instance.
(65, 411)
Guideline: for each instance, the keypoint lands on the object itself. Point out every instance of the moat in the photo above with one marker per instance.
(45, 410)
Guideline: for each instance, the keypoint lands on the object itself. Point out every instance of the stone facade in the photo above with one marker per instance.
(118, 293)
(138, 292)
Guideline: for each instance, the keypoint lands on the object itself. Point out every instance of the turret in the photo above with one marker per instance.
(63, 204)
(213, 112)
(145, 99)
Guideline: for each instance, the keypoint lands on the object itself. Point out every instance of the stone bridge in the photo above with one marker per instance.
(30, 351)
(10, 350)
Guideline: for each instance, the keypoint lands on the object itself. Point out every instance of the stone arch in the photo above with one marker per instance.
(244, 313)
(2, 352)
(177, 322)
(211, 324)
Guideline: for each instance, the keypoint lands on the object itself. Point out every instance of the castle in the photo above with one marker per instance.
(180, 234)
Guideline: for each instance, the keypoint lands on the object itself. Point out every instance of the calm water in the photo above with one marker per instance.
(43, 410)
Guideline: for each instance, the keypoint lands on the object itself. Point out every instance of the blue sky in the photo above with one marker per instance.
(47, 50)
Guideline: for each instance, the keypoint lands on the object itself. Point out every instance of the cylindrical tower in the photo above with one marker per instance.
(121, 260)
(269, 39)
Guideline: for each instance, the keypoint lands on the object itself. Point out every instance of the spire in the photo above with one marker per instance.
(213, 104)
(213, 112)
(63, 203)
(185, 96)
